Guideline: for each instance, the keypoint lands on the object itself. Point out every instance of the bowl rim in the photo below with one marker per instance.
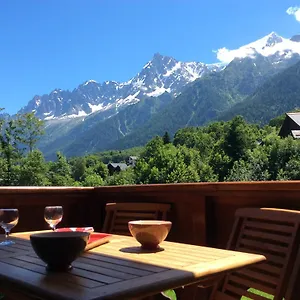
(59, 235)
(149, 222)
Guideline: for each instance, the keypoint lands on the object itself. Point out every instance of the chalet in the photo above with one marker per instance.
(291, 125)
(132, 160)
(116, 167)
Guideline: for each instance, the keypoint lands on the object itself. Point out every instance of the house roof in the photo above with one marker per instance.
(295, 134)
(122, 166)
(295, 117)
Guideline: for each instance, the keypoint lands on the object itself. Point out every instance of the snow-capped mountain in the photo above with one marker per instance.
(161, 74)
(165, 95)
(272, 46)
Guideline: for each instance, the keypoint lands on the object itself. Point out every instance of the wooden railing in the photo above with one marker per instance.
(202, 213)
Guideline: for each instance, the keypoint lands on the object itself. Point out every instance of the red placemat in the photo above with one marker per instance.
(97, 239)
(88, 229)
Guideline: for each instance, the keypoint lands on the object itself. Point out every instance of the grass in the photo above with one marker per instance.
(267, 296)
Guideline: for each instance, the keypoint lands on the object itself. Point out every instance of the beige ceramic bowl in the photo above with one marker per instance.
(149, 233)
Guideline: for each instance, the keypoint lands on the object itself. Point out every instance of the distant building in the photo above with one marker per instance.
(116, 167)
(291, 125)
(132, 160)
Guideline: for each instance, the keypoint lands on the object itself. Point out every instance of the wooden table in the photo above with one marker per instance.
(116, 270)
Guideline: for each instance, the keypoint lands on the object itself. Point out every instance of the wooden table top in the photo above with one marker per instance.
(118, 269)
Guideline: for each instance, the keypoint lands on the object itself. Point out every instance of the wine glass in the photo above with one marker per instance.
(9, 218)
(53, 215)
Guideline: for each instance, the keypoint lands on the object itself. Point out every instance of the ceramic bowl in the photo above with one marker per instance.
(149, 233)
(59, 249)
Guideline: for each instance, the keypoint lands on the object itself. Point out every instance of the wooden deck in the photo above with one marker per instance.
(201, 213)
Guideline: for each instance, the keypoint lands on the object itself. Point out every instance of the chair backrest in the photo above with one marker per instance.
(273, 233)
(118, 215)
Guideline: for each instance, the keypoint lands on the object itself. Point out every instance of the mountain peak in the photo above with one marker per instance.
(157, 55)
(90, 81)
(272, 39)
(273, 34)
(269, 45)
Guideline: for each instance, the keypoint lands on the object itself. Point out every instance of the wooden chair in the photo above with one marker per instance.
(273, 233)
(118, 215)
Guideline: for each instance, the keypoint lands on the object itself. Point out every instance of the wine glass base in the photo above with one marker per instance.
(7, 243)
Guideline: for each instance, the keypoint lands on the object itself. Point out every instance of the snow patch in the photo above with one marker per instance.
(158, 92)
(99, 107)
(174, 69)
(131, 99)
(90, 81)
(191, 68)
(80, 113)
(49, 117)
(147, 65)
(138, 83)
(38, 102)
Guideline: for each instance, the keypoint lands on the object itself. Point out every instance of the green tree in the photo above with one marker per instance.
(92, 180)
(165, 164)
(10, 151)
(78, 167)
(152, 147)
(94, 163)
(283, 154)
(31, 129)
(126, 177)
(238, 139)
(60, 173)
(33, 169)
(166, 138)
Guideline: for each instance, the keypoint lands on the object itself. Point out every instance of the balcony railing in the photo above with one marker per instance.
(202, 213)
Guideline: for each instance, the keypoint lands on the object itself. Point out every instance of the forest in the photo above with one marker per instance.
(221, 151)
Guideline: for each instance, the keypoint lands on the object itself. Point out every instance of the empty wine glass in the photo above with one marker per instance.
(9, 218)
(53, 215)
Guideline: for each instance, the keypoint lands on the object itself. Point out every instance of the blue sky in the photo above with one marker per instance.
(48, 44)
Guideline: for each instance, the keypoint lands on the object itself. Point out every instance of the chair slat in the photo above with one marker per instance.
(270, 257)
(267, 268)
(287, 229)
(251, 283)
(236, 289)
(135, 215)
(119, 214)
(274, 233)
(264, 245)
(258, 276)
(267, 235)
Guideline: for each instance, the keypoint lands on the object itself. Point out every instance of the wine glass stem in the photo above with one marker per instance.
(6, 234)
(53, 227)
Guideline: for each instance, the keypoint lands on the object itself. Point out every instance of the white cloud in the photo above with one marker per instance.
(225, 55)
(266, 46)
(294, 11)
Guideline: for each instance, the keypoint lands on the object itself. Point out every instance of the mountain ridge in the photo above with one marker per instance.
(103, 116)
(159, 75)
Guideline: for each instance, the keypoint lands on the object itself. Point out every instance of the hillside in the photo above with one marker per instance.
(278, 95)
(206, 99)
